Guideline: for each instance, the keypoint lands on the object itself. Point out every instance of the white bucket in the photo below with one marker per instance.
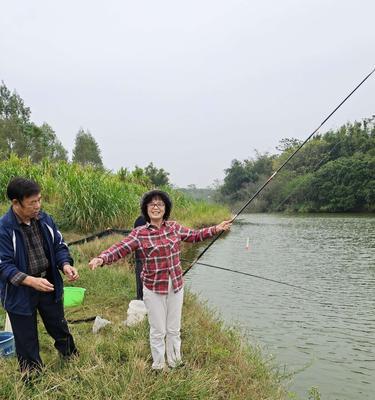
(8, 325)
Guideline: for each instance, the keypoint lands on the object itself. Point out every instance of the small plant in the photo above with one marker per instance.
(314, 394)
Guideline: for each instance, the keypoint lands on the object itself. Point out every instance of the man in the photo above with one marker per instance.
(32, 252)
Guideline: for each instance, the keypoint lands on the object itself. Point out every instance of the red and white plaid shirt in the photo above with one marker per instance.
(159, 252)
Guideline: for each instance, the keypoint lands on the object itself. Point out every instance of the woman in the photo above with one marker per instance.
(158, 243)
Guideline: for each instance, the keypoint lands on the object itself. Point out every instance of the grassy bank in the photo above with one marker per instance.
(115, 364)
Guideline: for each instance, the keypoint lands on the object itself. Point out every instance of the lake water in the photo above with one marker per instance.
(326, 338)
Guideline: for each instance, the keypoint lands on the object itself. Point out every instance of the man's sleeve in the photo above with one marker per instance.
(8, 270)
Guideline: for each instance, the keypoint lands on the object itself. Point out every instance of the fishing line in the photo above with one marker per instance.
(252, 275)
(281, 167)
(99, 235)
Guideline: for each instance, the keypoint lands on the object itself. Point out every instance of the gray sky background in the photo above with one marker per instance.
(189, 85)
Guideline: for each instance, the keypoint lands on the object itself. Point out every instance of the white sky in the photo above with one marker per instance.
(188, 85)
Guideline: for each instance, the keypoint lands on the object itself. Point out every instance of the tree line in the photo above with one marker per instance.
(333, 172)
(20, 136)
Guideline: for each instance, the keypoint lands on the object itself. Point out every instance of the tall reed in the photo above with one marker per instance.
(89, 199)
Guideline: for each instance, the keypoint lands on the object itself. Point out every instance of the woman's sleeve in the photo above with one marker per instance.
(121, 249)
(193, 236)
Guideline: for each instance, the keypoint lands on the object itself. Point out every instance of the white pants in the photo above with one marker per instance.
(164, 316)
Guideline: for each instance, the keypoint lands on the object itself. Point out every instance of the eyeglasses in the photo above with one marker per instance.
(157, 204)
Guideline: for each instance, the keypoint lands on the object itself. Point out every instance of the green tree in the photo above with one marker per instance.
(136, 176)
(236, 177)
(51, 145)
(13, 118)
(243, 176)
(20, 136)
(261, 166)
(12, 106)
(158, 176)
(12, 139)
(42, 142)
(287, 144)
(332, 172)
(345, 184)
(86, 150)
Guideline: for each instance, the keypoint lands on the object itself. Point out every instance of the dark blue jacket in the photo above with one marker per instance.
(14, 258)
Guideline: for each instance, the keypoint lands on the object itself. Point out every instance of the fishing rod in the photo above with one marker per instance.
(252, 275)
(313, 169)
(281, 167)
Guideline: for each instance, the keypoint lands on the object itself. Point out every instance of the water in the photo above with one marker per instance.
(327, 339)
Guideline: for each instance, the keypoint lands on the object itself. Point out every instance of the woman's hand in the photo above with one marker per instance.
(224, 226)
(95, 263)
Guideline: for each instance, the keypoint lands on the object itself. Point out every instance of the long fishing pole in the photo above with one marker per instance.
(315, 167)
(282, 166)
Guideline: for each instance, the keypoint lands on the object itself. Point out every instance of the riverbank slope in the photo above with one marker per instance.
(115, 364)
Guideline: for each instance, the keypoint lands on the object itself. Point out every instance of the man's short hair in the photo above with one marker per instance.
(19, 188)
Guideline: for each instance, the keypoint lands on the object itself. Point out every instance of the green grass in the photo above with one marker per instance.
(116, 363)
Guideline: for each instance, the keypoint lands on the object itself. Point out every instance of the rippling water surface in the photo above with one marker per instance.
(327, 337)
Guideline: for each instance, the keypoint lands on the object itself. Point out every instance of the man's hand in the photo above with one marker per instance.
(224, 226)
(95, 263)
(40, 284)
(70, 272)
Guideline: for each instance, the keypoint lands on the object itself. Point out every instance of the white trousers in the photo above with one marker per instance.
(164, 316)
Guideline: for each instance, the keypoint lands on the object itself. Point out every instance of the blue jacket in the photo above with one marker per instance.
(14, 258)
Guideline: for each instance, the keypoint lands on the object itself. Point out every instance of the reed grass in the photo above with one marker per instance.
(88, 199)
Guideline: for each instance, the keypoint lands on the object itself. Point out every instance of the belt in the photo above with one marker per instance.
(41, 275)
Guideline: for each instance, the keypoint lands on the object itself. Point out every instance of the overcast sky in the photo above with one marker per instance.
(189, 85)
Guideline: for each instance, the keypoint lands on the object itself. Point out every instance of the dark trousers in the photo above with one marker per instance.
(138, 270)
(25, 330)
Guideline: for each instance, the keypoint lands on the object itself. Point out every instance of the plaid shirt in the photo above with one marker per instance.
(38, 261)
(159, 250)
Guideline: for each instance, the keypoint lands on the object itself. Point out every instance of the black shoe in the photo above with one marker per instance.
(29, 378)
(71, 356)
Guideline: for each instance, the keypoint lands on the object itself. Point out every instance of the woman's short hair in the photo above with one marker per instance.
(149, 196)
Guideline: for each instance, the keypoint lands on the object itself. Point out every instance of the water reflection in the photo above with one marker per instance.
(328, 336)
